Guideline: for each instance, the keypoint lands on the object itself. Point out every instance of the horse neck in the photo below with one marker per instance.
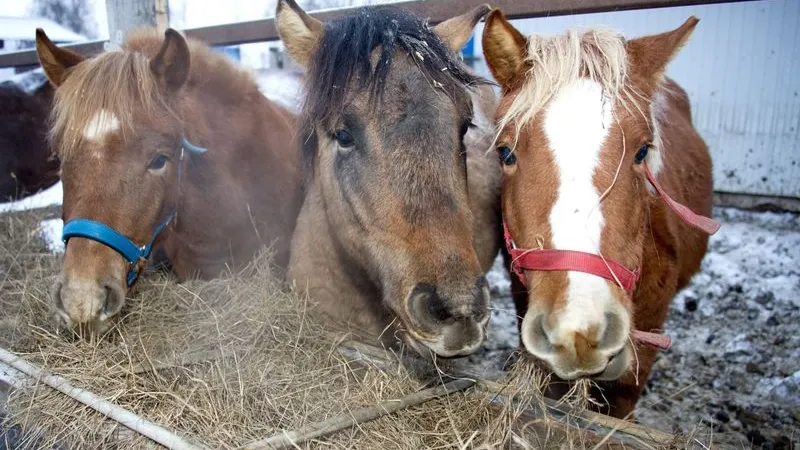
(682, 148)
(335, 279)
(670, 240)
(243, 187)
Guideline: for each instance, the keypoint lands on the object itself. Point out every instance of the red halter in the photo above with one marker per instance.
(571, 260)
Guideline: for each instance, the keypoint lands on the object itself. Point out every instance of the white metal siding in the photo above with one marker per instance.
(741, 70)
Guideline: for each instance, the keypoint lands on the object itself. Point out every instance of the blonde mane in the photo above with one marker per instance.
(118, 82)
(121, 84)
(554, 62)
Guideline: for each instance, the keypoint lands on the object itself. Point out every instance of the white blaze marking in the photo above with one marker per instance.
(576, 124)
(102, 123)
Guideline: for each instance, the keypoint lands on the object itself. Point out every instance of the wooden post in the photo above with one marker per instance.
(162, 15)
(126, 15)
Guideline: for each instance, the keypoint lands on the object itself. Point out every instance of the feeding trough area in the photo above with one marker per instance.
(239, 363)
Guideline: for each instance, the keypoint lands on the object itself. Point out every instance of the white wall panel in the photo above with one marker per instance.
(741, 70)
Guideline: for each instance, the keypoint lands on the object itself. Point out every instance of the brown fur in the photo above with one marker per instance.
(399, 211)
(243, 193)
(640, 230)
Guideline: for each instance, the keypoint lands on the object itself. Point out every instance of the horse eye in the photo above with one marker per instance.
(506, 155)
(158, 162)
(344, 138)
(641, 154)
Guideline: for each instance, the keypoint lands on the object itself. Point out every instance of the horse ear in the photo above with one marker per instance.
(299, 32)
(55, 61)
(455, 32)
(504, 48)
(649, 55)
(171, 63)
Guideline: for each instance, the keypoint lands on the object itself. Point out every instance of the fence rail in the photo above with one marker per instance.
(437, 10)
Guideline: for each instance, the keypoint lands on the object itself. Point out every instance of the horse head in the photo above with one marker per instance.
(122, 148)
(387, 109)
(580, 148)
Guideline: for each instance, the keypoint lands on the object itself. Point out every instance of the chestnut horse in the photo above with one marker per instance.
(401, 217)
(164, 142)
(592, 138)
(26, 165)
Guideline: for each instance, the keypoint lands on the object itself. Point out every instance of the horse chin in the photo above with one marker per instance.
(432, 349)
(87, 331)
(617, 366)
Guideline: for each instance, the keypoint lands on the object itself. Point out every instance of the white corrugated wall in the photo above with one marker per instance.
(741, 70)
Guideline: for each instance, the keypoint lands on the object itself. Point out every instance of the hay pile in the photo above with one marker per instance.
(226, 362)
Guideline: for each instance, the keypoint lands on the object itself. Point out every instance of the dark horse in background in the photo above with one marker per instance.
(26, 165)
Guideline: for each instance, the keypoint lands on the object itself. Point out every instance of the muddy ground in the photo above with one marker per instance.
(735, 362)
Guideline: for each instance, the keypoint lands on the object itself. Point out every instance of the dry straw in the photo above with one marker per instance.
(233, 361)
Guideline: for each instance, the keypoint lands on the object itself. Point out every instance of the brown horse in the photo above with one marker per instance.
(401, 216)
(591, 133)
(26, 165)
(128, 126)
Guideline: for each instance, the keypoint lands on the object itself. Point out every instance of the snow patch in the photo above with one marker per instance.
(784, 390)
(54, 195)
(499, 283)
(50, 230)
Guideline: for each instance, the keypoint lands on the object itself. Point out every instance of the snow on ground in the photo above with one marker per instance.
(735, 361)
(50, 230)
(51, 196)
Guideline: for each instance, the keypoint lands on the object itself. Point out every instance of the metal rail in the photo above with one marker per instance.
(436, 10)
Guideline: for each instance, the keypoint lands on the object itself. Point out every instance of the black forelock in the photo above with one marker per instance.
(342, 59)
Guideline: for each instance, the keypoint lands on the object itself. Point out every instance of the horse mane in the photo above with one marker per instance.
(121, 82)
(344, 56)
(554, 62)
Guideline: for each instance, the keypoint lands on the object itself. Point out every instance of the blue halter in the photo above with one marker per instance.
(135, 255)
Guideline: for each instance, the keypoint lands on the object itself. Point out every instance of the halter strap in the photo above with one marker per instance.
(568, 260)
(705, 224)
(196, 149)
(136, 256)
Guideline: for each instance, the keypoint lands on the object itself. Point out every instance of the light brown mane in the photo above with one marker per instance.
(554, 62)
(122, 83)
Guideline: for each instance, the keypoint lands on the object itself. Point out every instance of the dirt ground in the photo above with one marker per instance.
(735, 362)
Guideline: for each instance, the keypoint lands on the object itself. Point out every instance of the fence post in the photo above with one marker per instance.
(126, 15)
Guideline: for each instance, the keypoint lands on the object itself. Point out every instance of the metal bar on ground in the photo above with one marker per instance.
(437, 10)
(290, 439)
(123, 416)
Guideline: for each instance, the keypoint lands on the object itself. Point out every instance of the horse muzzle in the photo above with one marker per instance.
(447, 326)
(87, 304)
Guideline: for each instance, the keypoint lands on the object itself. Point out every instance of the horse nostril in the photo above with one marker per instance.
(426, 305)
(615, 332)
(113, 302)
(535, 338)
